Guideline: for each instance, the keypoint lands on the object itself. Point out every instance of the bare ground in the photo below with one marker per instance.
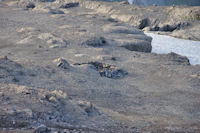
(76, 70)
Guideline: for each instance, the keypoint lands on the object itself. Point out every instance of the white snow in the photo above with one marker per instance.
(163, 44)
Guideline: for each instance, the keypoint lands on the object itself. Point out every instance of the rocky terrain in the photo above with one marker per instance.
(74, 66)
(177, 21)
(166, 2)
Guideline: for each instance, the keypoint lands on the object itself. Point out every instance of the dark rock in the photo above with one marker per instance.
(91, 110)
(168, 27)
(182, 25)
(178, 58)
(27, 4)
(96, 42)
(109, 71)
(143, 23)
(70, 5)
(140, 47)
(112, 20)
(30, 5)
(155, 28)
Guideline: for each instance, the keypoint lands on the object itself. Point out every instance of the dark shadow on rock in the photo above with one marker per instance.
(170, 27)
(144, 23)
(70, 5)
(96, 42)
(112, 20)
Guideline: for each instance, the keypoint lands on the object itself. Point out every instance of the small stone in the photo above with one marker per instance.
(62, 63)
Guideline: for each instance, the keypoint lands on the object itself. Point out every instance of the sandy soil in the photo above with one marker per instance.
(68, 68)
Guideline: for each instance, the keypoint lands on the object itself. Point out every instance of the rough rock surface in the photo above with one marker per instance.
(168, 20)
(102, 88)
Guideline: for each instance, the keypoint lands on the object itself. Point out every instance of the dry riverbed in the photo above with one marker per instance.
(68, 68)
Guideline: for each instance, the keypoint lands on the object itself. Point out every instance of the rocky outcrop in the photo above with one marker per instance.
(165, 19)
